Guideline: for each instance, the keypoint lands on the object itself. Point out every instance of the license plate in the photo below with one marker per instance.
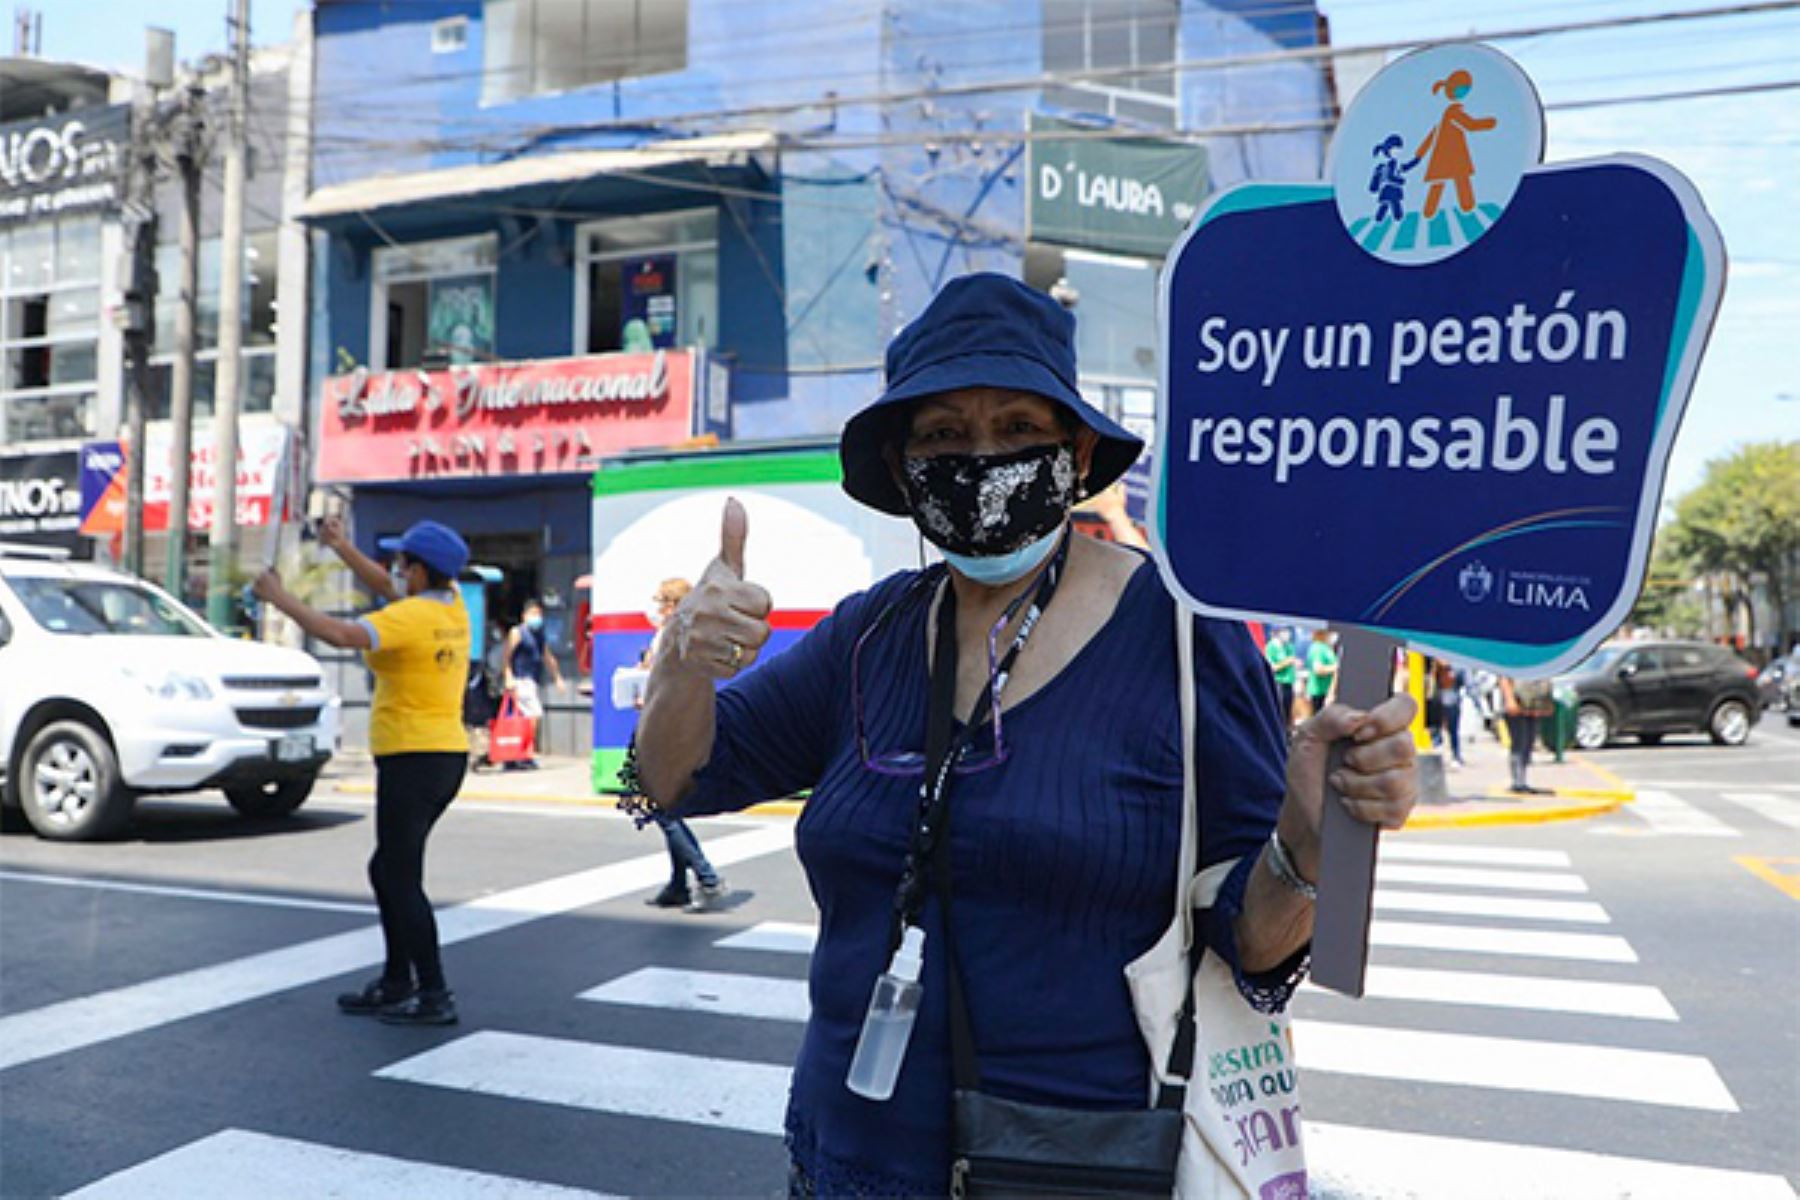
(296, 747)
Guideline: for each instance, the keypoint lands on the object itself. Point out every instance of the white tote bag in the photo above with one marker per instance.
(1241, 1138)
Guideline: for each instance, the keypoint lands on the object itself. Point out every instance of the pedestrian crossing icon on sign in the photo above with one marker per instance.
(1444, 136)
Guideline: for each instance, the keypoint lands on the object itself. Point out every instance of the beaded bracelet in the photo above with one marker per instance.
(1282, 867)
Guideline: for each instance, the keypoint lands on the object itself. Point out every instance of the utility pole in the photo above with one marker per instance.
(220, 587)
(137, 317)
(181, 377)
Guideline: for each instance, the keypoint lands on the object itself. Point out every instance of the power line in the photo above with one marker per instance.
(1099, 74)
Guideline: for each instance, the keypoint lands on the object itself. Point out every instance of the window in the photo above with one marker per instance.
(535, 46)
(257, 377)
(1089, 35)
(450, 35)
(649, 282)
(87, 606)
(49, 329)
(434, 303)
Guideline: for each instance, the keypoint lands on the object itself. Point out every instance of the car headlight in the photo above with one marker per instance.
(172, 685)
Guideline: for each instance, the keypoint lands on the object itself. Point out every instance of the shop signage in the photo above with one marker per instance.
(1443, 384)
(524, 418)
(71, 162)
(649, 303)
(1127, 195)
(40, 498)
(262, 474)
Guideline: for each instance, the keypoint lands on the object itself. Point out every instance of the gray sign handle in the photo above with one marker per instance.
(1340, 950)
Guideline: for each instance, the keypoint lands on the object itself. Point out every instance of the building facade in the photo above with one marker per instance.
(70, 138)
(544, 231)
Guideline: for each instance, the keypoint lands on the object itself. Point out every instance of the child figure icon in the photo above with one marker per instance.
(1388, 183)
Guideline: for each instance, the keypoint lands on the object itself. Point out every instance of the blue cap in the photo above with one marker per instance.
(437, 546)
(982, 330)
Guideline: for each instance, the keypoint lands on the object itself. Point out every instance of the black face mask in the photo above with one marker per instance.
(987, 504)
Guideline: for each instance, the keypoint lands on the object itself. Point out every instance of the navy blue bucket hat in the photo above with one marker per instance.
(981, 330)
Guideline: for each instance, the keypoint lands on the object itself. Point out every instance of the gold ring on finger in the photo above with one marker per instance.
(737, 655)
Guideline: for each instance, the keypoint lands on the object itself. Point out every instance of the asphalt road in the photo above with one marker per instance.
(1592, 1009)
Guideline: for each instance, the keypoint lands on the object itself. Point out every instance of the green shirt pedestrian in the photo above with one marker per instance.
(1281, 660)
(1321, 669)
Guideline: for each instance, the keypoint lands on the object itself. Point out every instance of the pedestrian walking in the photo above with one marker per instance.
(1285, 666)
(1525, 703)
(1450, 683)
(1321, 670)
(527, 657)
(417, 646)
(1055, 813)
(685, 854)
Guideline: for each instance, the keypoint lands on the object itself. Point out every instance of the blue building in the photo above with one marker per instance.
(739, 202)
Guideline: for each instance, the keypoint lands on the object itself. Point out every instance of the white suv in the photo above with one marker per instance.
(109, 689)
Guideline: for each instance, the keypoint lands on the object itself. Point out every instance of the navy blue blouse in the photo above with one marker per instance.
(1063, 860)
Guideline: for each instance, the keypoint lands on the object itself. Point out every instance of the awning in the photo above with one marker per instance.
(390, 191)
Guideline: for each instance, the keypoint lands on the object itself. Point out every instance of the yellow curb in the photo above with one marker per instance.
(1622, 795)
(1607, 777)
(1541, 815)
(774, 808)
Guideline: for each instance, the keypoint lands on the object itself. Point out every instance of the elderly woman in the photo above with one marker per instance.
(1065, 793)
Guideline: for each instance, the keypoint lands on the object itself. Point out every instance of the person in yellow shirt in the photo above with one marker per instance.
(418, 648)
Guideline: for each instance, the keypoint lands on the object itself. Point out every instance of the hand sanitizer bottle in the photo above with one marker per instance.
(876, 1065)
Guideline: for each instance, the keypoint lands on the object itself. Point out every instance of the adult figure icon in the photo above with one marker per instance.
(1448, 145)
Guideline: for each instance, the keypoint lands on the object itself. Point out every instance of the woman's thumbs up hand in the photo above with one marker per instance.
(723, 624)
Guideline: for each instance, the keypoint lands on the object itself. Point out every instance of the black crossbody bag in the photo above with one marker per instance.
(1004, 1148)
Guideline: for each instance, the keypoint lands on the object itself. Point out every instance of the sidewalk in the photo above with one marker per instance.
(1476, 794)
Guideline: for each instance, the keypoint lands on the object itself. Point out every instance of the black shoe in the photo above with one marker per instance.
(374, 997)
(670, 897)
(1519, 789)
(424, 1008)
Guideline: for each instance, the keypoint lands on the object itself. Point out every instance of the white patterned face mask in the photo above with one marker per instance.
(988, 505)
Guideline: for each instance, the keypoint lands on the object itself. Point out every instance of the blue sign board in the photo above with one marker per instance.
(1434, 397)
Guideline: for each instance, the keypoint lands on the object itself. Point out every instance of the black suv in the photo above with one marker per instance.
(1653, 688)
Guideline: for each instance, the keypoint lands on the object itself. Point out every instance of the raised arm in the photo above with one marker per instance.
(333, 631)
(717, 632)
(368, 572)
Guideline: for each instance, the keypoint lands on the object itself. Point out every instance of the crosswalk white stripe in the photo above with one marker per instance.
(1478, 877)
(1512, 1064)
(787, 938)
(715, 1092)
(1348, 1163)
(1665, 812)
(1482, 939)
(1483, 989)
(1399, 849)
(1472, 905)
(708, 992)
(88, 1020)
(236, 1163)
(735, 995)
(1780, 809)
(187, 893)
(777, 937)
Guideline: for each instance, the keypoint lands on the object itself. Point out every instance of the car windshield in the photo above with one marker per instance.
(1603, 658)
(89, 606)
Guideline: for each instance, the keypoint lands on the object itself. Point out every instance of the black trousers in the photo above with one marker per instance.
(1522, 729)
(411, 793)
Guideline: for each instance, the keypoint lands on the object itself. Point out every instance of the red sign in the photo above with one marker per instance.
(261, 475)
(525, 418)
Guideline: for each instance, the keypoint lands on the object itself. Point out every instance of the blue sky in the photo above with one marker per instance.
(1742, 152)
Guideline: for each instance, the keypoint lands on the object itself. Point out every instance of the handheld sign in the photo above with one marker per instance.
(1434, 395)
